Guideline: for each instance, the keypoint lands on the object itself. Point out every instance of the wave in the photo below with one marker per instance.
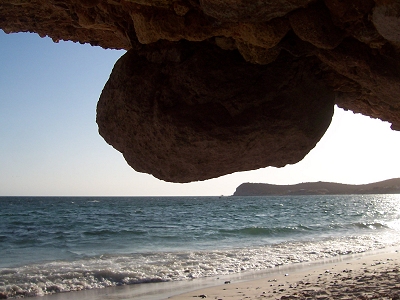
(261, 231)
(108, 232)
(295, 230)
(359, 225)
(372, 225)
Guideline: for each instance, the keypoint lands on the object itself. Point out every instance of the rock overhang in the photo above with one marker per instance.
(211, 87)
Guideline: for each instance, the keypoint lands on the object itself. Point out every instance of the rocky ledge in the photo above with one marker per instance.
(211, 87)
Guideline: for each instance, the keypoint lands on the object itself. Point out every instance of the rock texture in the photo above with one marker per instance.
(196, 111)
(210, 87)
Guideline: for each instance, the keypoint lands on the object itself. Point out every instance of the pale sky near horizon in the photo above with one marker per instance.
(49, 143)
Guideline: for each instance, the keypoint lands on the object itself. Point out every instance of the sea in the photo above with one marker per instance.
(52, 245)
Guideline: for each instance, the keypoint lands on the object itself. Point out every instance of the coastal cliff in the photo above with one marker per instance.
(212, 87)
(391, 186)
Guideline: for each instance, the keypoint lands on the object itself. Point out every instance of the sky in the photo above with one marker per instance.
(50, 146)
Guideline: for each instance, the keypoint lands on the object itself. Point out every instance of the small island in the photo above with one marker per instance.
(390, 186)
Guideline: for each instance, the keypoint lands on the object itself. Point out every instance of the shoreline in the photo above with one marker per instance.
(368, 275)
(330, 278)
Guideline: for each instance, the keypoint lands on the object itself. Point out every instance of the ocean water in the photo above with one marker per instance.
(59, 244)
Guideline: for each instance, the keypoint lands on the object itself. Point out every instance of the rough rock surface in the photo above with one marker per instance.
(198, 110)
(210, 87)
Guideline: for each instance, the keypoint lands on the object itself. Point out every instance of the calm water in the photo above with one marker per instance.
(58, 244)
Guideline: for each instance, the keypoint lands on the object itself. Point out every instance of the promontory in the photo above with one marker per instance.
(391, 186)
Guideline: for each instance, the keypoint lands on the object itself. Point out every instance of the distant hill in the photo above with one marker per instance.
(391, 186)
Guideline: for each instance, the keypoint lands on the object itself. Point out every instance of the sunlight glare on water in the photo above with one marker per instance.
(386, 207)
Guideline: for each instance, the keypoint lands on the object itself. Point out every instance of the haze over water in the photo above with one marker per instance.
(58, 244)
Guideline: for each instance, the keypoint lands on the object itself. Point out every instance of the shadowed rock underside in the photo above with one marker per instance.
(211, 87)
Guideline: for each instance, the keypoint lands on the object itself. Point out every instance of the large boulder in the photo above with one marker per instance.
(194, 111)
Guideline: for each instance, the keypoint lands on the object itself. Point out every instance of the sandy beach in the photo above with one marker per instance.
(369, 276)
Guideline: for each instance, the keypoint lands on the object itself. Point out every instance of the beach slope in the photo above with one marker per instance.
(367, 276)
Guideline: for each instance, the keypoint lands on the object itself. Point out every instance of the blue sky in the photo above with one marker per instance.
(49, 143)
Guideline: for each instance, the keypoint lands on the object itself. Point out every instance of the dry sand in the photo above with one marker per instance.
(371, 276)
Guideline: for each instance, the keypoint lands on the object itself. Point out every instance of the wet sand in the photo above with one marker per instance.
(370, 276)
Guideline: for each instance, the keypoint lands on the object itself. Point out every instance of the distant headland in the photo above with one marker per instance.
(390, 186)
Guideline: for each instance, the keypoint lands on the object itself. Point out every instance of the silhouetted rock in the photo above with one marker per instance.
(391, 186)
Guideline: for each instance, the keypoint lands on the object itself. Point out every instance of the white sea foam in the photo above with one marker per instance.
(111, 270)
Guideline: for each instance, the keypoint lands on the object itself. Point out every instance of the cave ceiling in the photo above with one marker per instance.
(211, 87)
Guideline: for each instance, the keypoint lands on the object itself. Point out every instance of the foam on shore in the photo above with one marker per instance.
(367, 276)
(370, 275)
